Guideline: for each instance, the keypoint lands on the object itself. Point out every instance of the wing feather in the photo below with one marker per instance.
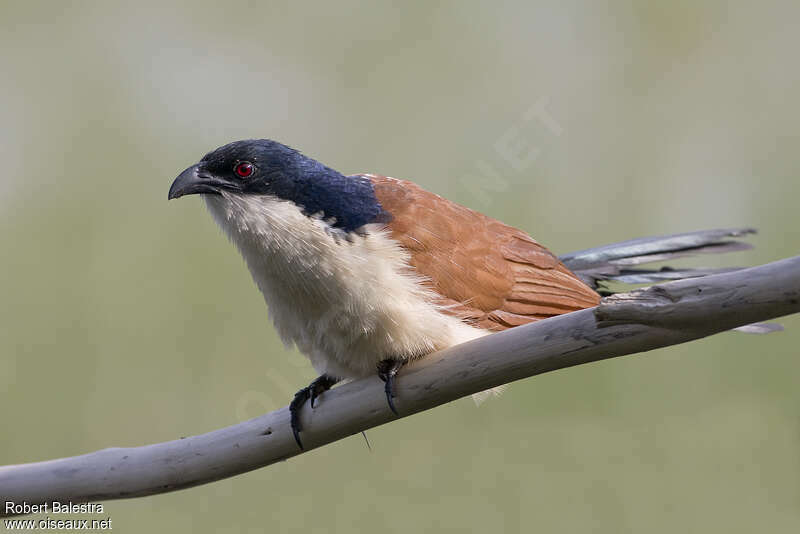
(486, 272)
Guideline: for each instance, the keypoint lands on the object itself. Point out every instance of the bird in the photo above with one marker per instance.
(364, 273)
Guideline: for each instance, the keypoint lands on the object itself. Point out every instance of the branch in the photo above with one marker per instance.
(639, 321)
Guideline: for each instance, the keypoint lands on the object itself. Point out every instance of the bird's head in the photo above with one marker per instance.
(265, 167)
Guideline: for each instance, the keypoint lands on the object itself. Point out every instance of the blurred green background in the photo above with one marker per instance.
(127, 320)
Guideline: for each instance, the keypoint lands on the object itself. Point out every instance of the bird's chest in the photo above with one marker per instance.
(347, 302)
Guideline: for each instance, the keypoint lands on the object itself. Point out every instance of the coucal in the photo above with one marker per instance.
(365, 273)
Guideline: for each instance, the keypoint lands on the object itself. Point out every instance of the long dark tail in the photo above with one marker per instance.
(616, 262)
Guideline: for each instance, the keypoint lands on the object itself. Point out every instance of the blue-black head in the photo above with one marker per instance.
(265, 167)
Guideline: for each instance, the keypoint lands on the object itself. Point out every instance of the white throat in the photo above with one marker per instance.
(347, 301)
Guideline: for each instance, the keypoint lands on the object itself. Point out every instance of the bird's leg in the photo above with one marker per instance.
(320, 384)
(387, 371)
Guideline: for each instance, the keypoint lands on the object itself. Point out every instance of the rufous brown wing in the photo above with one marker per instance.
(486, 272)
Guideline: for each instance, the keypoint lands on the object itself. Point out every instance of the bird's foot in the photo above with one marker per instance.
(311, 392)
(387, 371)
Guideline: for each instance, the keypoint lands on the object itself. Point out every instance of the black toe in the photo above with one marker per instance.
(387, 371)
(299, 399)
(389, 389)
(311, 392)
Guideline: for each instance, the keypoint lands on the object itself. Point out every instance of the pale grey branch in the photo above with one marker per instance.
(622, 324)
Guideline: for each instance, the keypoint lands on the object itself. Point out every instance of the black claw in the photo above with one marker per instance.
(389, 389)
(311, 392)
(297, 439)
(387, 371)
(313, 396)
(294, 410)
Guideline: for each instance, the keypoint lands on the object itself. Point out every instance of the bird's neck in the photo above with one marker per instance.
(273, 235)
(346, 300)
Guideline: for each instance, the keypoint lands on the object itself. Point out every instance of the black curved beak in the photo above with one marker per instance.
(193, 181)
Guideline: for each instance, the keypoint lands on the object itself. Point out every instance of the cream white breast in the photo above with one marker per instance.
(347, 301)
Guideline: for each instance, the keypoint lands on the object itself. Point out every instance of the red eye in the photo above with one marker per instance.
(244, 169)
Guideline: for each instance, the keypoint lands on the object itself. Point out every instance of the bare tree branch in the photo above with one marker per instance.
(639, 321)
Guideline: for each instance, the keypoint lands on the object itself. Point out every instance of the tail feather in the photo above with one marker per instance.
(611, 262)
(665, 274)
